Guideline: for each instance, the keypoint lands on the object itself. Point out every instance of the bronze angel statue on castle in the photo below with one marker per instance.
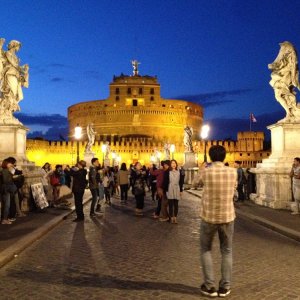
(12, 78)
(285, 81)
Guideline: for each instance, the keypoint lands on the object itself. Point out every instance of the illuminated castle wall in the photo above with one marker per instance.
(248, 148)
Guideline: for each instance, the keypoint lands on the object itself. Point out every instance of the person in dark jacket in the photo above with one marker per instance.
(79, 183)
(94, 184)
(9, 189)
(138, 187)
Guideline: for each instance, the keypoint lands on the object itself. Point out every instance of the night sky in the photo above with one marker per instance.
(212, 52)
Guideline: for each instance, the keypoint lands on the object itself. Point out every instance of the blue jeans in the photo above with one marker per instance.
(6, 205)
(207, 233)
(94, 200)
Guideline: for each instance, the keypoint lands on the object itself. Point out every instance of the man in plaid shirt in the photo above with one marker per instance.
(217, 215)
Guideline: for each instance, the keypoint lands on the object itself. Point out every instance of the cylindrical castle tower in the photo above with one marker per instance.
(135, 108)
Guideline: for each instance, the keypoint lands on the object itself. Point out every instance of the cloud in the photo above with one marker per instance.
(222, 129)
(56, 79)
(54, 133)
(56, 125)
(93, 74)
(215, 98)
(42, 120)
(59, 66)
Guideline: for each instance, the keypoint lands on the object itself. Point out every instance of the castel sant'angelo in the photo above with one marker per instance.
(138, 124)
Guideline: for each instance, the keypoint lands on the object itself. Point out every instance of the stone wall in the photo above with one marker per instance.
(134, 149)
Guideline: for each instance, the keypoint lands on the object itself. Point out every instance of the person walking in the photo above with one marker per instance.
(173, 187)
(217, 216)
(79, 183)
(94, 184)
(123, 181)
(107, 184)
(138, 187)
(161, 211)
(241, 176)
(295, 175)
(152, 183)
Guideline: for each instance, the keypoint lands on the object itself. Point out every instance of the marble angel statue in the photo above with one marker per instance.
(91, 134)
(167, 151)
(187, 139)
(285, 80)
(13, 77)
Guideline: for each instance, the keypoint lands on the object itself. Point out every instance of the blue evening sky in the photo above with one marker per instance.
(211, 52)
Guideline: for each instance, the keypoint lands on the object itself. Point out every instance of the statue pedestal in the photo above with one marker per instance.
(189, 160)
(106, 162)
(273, 184)
(88, 157)
(13, 142)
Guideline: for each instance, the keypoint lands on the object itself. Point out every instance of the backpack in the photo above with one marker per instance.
(54, 181)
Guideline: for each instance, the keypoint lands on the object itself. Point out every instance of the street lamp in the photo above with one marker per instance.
(152, 159)
(172, 150)
(118, 159)
(113, 156)
(204, 135)
(77, 135)
(158, 156)
(104, 146)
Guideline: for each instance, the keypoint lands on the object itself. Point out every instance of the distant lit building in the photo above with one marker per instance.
(137, 123)
(136, 109)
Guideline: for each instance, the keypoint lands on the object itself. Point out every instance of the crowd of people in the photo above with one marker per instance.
(164, 183)
(11, 182)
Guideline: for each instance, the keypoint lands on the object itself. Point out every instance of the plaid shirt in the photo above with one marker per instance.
(219, 183)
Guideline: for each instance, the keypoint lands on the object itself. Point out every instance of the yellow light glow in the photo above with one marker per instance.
(204, 131)
(78, 132)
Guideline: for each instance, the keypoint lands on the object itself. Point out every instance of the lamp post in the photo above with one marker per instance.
(118, 159)
(172, 150)
(204, 135)
(113, 156)
(103, 151)
(77, 135)
(158, 156)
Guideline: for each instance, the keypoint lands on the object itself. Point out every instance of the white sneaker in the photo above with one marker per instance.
(295, 213)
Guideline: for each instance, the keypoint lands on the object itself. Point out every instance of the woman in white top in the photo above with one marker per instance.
(173, 186)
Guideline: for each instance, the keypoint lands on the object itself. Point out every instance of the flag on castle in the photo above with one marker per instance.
(252, 118)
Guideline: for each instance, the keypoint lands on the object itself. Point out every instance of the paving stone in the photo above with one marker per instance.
(120, 256)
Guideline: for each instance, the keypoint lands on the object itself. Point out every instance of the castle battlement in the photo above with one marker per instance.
(135, 148)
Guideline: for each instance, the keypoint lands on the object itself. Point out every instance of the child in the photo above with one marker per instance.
(106, 185)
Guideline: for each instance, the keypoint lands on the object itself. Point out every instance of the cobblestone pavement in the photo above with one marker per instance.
(121, 256)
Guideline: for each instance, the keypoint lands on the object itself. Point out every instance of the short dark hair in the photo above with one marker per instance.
(217, 153)
(297, 159)
(11, 160)
(238, 162)
(167, 162)
(93, 160)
